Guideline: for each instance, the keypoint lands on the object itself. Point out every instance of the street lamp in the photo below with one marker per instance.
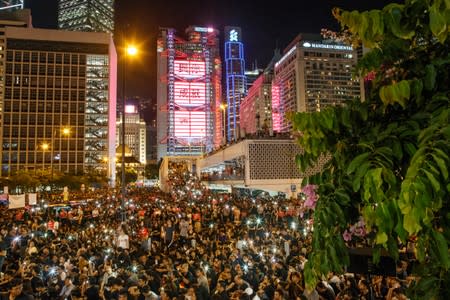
(129, 51)
(223, 107)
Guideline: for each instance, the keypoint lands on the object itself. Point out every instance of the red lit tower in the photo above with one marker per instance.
(189, 89)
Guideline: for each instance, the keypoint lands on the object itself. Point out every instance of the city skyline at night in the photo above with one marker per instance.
(265, 27)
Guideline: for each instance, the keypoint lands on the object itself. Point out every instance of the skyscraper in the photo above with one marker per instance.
(59, 101)
(235, 79)
(10, 5)
(86, 15)
(189, 92)
(312, 74)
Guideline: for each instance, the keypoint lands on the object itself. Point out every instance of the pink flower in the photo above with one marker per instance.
(347, 236)
(311, 197)
(360, 232)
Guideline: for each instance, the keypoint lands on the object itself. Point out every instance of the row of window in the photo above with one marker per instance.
(31, 132)
(32, 145)
(32, 158)
(45, 57)
(41, 94)
(41, 107)
(45, 69)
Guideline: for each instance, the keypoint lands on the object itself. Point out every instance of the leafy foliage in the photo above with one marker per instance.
(390, 153)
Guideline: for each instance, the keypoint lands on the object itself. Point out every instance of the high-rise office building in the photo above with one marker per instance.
(135, 133)
(189, 92)
(235, 88)
(11, 5)
(86, 15)
(312, 74)
(59, 101)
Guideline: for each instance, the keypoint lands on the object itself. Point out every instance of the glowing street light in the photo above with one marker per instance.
(132, 50)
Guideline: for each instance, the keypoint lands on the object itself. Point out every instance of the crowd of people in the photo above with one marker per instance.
(187, 244)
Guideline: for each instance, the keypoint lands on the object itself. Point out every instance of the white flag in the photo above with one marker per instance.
(32, 199)
(16, 201)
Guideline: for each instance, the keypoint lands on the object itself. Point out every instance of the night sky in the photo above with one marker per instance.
(264, 26)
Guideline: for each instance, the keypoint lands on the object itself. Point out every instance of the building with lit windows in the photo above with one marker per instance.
(312, 74)
(135, 133)
(256, 108)
(11, 5)
(59, 101)
(235, 88)
(86, 15)
(189, 92)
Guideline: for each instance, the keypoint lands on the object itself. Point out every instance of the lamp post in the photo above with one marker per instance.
(44, 147)
(129, 51)
(223, 107)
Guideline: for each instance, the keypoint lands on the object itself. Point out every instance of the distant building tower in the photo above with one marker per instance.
(135, 133)
(86, 15)
(10, 5)
(312, 74)
(235, 79)
(189, 92)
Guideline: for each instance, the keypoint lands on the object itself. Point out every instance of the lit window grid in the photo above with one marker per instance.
(42, 98)
(86, 15)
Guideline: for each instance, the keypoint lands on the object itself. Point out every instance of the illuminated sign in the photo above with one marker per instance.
(130, 109)
(189, 68)
(190, 124)
(286, 55)
(203, 29)
(233, 35)
(326, 46)
(190, 93)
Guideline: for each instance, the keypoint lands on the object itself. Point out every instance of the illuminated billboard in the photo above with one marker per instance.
(189, 68)
(190, 124)
(190, 93)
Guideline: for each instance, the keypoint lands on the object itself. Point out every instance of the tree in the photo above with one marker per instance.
(151, 171)
(388, 172)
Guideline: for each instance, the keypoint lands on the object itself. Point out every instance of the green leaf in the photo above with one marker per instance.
(356, 162)
(381, 238)
(442, 248)
(438, 23)
(441, 164)
(411, 222)
(420, 250)
(433, 181)
(356, 183)
(430, 77)
(393, 18)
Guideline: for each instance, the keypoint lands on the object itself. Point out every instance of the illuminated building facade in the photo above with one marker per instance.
(135, 133)
(312, 74)
(59, 101)
(235, 89)
(86, 15)
(256, 108)
(189, 92)
(11, 5)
